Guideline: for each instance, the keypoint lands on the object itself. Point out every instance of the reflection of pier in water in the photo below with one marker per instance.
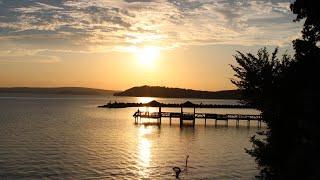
(192, 117)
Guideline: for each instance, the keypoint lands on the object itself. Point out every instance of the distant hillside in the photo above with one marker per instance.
(165, 92)
(58, 90)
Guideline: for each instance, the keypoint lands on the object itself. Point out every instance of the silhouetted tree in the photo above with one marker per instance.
(258, 79)
(258, 76)
(285, 92)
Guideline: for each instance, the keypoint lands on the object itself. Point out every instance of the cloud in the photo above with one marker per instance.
(29, 59)
(21, 55)
(106, 25)
(134, 1)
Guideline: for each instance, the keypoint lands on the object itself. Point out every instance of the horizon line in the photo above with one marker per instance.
(52, 87)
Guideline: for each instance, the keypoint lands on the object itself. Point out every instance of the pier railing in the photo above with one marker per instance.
(183, 116)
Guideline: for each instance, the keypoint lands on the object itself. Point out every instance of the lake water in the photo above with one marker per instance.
(70, 138)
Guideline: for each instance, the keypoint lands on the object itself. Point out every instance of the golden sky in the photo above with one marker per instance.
(117, 44)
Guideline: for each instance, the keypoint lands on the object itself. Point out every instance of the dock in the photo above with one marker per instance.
(193, 117)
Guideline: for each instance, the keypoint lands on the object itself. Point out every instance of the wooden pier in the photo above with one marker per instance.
(192, 117)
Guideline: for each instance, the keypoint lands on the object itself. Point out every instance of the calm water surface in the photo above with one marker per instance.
(69, 138)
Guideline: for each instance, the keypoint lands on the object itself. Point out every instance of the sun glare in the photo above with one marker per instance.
(147, 55)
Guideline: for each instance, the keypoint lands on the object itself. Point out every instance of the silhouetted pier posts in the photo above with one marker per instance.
(160, 114)
(194, 116)
(187, 117)
(181, 114)
(184, 116)
(259, 124)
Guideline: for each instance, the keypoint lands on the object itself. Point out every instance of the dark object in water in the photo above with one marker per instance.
(187, 161)
(177, 170)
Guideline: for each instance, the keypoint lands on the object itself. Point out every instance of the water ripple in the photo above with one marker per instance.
(71, 139)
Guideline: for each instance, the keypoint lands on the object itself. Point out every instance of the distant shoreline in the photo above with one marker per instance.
(166, 92)
(55, 91)
(142, 91)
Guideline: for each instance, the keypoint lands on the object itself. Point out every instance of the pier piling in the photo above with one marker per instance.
(194, 116)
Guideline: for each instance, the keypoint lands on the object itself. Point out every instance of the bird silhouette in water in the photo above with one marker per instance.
(177, 170)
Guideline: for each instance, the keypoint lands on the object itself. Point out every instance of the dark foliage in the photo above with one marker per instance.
(165, 92)
(157, 104)
(285, 91)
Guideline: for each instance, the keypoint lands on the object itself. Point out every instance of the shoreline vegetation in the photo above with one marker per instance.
(113, 105)
(167, 92)
(285, 90)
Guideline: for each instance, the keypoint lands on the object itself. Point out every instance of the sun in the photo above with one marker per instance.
(148, 55)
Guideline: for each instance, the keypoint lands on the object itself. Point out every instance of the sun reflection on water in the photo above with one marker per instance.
(144, 152)
(144, 147)
(145, 99)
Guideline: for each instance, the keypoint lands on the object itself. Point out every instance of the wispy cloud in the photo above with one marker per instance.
(22, 55)
(106, 25)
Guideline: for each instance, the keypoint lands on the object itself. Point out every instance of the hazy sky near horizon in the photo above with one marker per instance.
(117, 44)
